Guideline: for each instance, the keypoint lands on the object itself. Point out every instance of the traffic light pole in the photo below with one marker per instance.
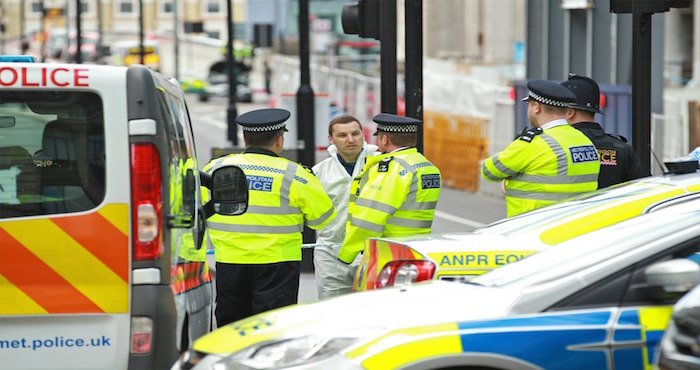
(414, 64)
(305, 116)
(387, 39)
(78, 37)
(641, 86)
(231, 112)
(305, 94)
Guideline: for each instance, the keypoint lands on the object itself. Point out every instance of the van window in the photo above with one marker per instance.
(52, 152)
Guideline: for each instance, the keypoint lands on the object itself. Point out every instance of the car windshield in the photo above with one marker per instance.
(603, 199)
(596, 247)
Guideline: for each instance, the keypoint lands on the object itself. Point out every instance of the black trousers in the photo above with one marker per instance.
(245, 290)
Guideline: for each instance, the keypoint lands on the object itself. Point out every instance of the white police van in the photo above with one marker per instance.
(101, 221)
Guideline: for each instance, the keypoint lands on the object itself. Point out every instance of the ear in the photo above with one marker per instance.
(384, 139)
(570, 114)
(280, 141)
(330, 139)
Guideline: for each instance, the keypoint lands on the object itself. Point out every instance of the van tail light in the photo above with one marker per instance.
(146, 201)
(396, 273)
(141, 334)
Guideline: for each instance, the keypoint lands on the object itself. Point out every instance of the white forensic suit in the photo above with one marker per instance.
(333, 277)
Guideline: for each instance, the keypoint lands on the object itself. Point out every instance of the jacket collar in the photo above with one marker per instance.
(256, 150)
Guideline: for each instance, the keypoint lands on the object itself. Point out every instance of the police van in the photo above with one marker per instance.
(101, 222)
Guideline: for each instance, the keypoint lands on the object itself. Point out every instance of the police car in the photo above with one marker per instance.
(462, 256)
(101, 223)
(598, 301)
(680, 345)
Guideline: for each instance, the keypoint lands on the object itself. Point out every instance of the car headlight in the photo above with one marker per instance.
(286, 352)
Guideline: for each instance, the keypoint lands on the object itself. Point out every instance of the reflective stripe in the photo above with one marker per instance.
(417, 224)
(562, 162)
(535, 195)
(413, 189)
(321, 219)
(382, 207)
(362, 224)
(418, 206)
(502, 167)
(489, 175)
(287, 183)
(273, 210)
(258, 229)
(541, 179)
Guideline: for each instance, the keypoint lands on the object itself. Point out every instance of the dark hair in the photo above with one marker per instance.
(261, 139)
(345, 118)
(553, 110)
(402, 138)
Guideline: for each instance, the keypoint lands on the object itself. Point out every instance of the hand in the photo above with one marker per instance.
(503, 187)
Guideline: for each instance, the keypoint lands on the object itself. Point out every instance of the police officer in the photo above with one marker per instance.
(258, 254)
(396, 192)
(618, 160)
(550, 162)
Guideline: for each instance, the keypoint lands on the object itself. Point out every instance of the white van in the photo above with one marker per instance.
(101, 223)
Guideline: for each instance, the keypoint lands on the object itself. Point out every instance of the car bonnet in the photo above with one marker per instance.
(422, 304)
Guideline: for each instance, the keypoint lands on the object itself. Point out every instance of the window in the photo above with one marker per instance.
(165, 7)
(36, 7)
(126, 7)
(52, 152)
(212, 7)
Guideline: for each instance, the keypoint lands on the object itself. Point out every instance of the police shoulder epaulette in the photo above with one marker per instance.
(384, 164)
(530, 134)
(618, 137)
(307, 168)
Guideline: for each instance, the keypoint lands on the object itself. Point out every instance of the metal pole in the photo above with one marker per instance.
(387, 36)
(176, 41)
(99, 29)
(305, 115)
(305, 94)
(42, 31)
(414, 64)
(78, 33)
(231, 112)
(641, 86)
(141, 54)
(3, 28)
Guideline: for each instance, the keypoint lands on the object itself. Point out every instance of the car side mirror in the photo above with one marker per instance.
(673, 278)
(229, 191)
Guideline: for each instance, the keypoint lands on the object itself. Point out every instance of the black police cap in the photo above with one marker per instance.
(394, 123)
(587, 93)
(262, 120)
(550, 93)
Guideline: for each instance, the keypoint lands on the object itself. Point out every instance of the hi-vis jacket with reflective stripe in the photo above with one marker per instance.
(283, 196)
(395, 194)
(554, 165)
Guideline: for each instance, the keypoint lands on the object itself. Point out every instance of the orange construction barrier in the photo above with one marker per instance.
(456, 144)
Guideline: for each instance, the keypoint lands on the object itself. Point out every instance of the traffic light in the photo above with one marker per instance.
(646, 6)
(362, 19)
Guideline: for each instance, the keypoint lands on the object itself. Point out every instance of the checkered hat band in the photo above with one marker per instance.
(397, 128)
(548, 101)
(263, 128)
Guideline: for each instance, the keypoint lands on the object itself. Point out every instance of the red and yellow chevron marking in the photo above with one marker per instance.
(189, 275)
(66, 264)
(380, 253)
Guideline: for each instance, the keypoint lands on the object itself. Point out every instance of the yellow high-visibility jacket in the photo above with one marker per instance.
(544, 166)
(283, 196)
(395, 194)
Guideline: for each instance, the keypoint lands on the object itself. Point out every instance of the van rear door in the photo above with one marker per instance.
(64, 217)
